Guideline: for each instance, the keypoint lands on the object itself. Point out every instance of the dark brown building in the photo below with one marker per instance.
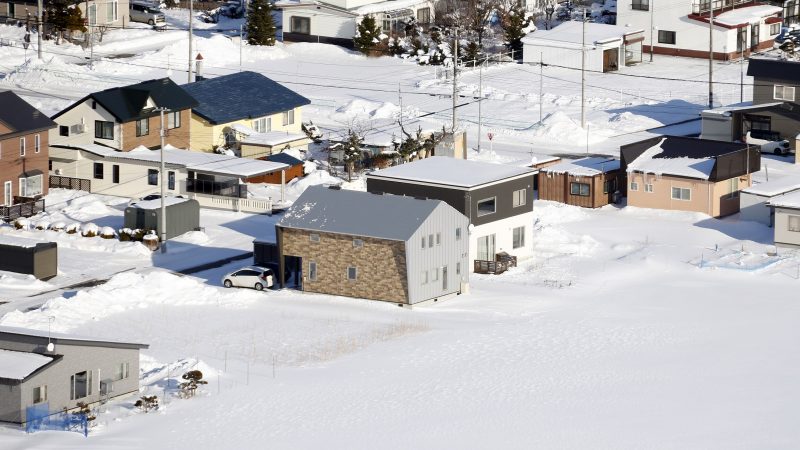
(23, 156)
(587, 182)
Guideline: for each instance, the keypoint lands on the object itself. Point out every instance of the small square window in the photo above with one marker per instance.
(634, 186)
(648, 188)
(352, 273)
(40, 394)
(63, 130)
(358, 243)
(313, 237)
(794, 224)
(519, 198)
(487, 206)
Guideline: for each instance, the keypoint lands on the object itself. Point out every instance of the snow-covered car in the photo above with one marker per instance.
(255, 277)
(147, 13)
(768, 142)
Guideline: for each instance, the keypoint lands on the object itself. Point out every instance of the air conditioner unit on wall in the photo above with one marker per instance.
(58, 171)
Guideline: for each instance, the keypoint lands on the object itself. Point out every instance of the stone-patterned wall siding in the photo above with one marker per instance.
(381, 265)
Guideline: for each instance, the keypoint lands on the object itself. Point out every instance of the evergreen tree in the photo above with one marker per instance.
(260, 25)
(367, 36)
(513, 23)
(352, 152)
(471, 54)
(64, 16)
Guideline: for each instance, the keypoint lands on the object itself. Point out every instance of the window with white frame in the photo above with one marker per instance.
(262, 125)
(174, 120)
(784, 92)
(143, 127)
(487, 206)
(352, 273)
(31, 186)
(288, 117)
(424, 15)
(648, 187)
(37, 143)
(312, 271)
(774, 29)
(123, 371)
(93, 14)
(80, 385)
(794, 224)
(22, 146)
(313, 237)
(40, 394)
(634, 186)
(518, 238)
(666, 37)
(684, 194)
(519, 198)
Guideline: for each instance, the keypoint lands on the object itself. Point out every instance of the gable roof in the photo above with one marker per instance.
(357, 213)
(242, 95)
(20, 117)
(128, 103)
(777, 69)
(446, 171)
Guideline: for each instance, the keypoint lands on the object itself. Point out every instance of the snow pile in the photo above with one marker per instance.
(123, 292)
(559, 127)
(16, 281)
(366, 108)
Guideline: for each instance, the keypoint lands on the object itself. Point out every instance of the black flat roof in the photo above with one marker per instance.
(778, 69)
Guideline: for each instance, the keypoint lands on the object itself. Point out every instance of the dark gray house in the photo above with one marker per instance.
(380, 247)
(497, 199)
(29, 256)
(75, 369)
(776, 83)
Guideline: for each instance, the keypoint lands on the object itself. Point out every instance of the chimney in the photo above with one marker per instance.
(198, 69)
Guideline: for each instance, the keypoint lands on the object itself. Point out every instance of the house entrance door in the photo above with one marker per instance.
(7, 193)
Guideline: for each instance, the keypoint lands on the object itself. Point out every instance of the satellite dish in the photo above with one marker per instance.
(50, 346)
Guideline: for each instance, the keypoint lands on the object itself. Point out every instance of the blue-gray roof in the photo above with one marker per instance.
(358, 213)
(284, 158)
(242, 95)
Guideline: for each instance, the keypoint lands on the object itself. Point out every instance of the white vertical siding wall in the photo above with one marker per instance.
(445, 219)
(754, 207)
(784, 237)
(323, 22)
(504, 236)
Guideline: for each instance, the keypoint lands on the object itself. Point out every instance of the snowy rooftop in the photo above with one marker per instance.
(271, 138)
(746, 15)
(651, 162)
(156, 204)
(452, 172)
(358, 213)
(16, 241)
(775, 187)
(789, 200)
(570, 34)
(390, 5)
(18, 365)
(56, 337)
(586, 167)
(197, 161)
(726, 110)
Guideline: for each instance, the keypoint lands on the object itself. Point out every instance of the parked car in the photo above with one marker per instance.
(769, 142)
(255, 277)
(147, 13)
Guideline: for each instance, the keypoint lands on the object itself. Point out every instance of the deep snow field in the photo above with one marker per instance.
(628, 329)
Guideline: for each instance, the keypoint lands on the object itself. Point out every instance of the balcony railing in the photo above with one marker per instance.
(25, 208)
(230, 188)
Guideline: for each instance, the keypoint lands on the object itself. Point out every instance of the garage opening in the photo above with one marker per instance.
(610, 60)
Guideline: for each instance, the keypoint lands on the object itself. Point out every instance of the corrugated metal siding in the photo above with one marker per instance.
(449, 252)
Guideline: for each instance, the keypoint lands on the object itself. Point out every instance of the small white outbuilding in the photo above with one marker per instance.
(754, 201)
(607, 46)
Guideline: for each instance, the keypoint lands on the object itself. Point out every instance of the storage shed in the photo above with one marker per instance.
(754, 200)
(29, 256)
(587, 182)
(787, 219)
(182, 215)
(608, 47)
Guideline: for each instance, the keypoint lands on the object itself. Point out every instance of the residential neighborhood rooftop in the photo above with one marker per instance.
(789, 200)
(571, 34)
(19, 365)
(19, 117)
(446, 171)
(746, 14)
(241, 95)
(270, 138)
(778, 69)
(198, 161)
(663, 159)
(358, 213)
(127, 103)
(585, 166)
(66, 338)
(775, 187)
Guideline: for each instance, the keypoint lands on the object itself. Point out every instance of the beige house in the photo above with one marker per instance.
(787, 219)
(688, 174)
(99, 15)
(246, 106)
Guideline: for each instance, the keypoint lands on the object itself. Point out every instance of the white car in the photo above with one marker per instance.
(254, 277)
(769, 143)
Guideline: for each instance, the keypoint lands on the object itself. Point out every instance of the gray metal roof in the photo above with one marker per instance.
(358, 213)
(32, 335)
(20, 117)
(777, 69)
(242, 95)
(461, 173)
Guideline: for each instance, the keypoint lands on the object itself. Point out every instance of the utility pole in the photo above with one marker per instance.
(455, 84)
(741, 77)
(541, 82)
(583, 71)
(711, 56)
(163, 224)
(400, 99)
(191, 33)
(39, 8)
(652, 8)
(480, 100)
